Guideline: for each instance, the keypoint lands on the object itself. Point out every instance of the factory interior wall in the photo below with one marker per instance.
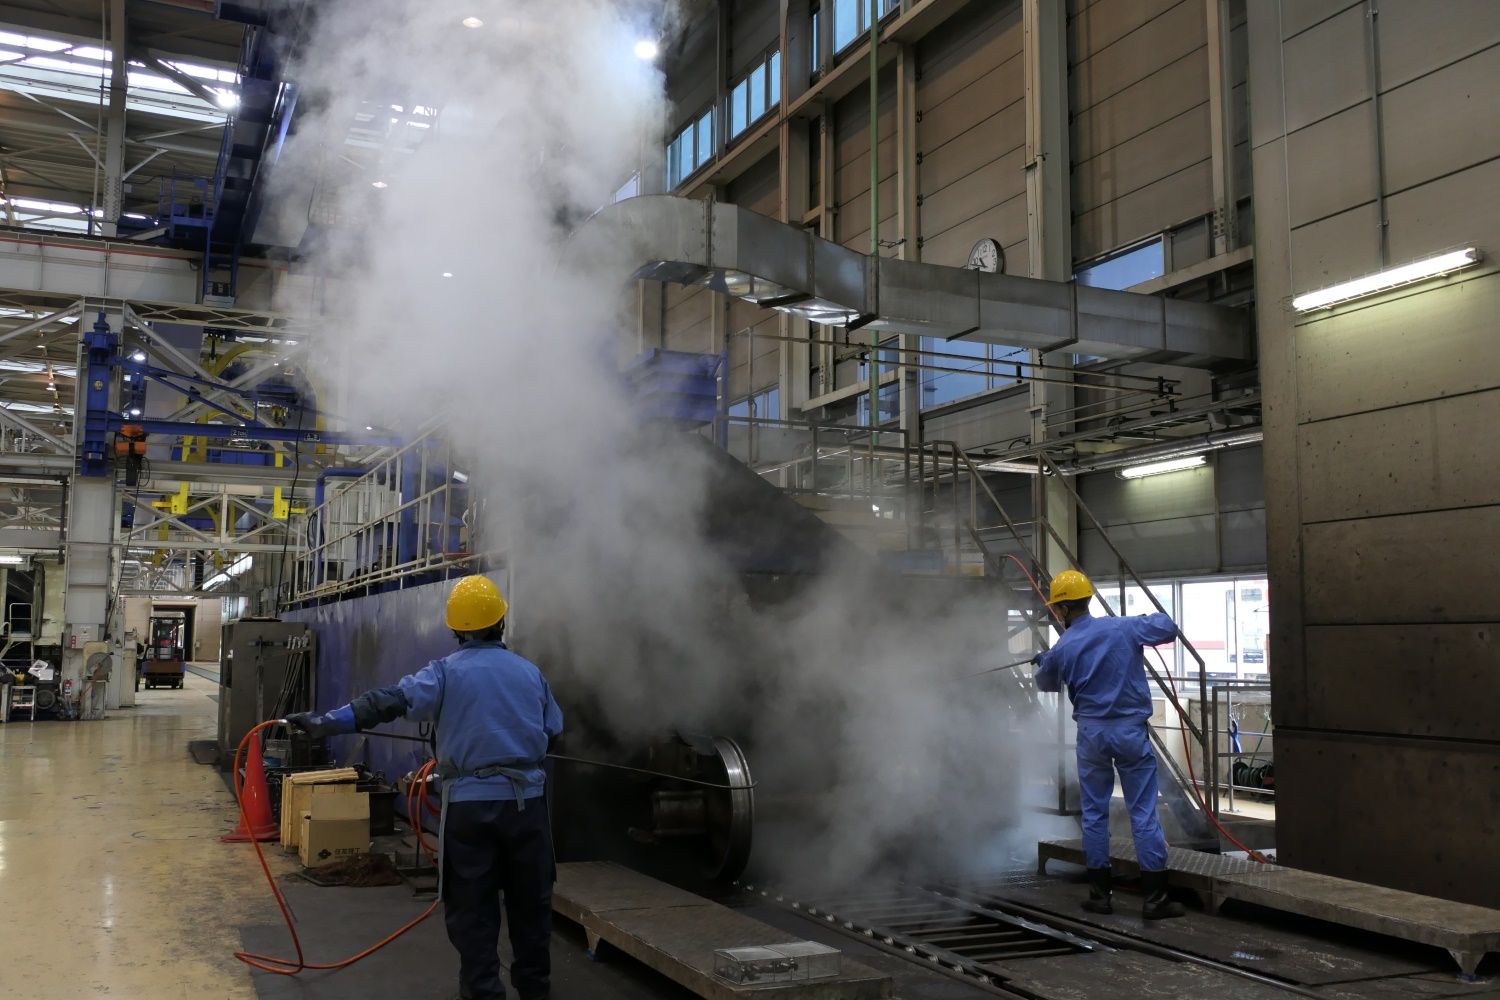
(1198, 521)
(1140, 150)
(1381, 483)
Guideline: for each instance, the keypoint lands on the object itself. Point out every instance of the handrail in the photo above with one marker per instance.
(1200, 731)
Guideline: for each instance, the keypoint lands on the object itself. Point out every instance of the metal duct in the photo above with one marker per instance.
(1178, 448)
(738, 252)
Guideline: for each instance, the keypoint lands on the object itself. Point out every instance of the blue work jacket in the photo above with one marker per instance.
(1102, 662)
(491, 707)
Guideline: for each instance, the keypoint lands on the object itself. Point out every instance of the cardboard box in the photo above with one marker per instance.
(296, 792)
(336, 825)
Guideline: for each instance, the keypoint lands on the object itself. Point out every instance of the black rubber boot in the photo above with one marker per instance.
(1099, 892)
(1159, 906)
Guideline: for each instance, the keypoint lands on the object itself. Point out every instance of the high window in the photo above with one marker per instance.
(851, 19)
(690, 149)
(979, 367)
(756, 93)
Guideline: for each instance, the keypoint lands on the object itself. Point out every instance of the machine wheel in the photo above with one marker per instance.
(178, 685)
(731, 813)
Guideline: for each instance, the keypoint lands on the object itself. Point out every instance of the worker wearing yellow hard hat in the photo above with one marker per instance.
(496, 719)
(1102, 663)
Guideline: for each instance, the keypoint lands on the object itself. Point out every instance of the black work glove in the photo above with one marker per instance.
(320, 726)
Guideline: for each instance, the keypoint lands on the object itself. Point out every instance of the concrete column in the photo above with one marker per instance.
(89, 567)
(1049, 231)
(114, 136)
(1221, 126)
(796, 188)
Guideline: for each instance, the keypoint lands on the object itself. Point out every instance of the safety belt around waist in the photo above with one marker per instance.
(514, 770)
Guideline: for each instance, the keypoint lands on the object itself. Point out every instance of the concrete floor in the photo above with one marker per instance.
(109, 854)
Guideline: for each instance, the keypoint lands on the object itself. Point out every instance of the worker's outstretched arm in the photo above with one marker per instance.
(416, 696)
(1153, 630)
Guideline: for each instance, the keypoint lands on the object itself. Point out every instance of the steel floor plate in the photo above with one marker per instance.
(1466, 932)
(676, 933)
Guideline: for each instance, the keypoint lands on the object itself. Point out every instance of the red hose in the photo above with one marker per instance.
(285, 966)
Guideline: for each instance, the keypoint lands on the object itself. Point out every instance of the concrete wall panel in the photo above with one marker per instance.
(1005, 222)
(1428, 800)
(1165, 94)
(1344, 361)
(1414, 42)
(1333, 164)
(996, 182)
(1334, 249)
(1167, 149)
(1099, 74)
(1325, 69)
(1101, 25)
(967, 49)
(1304, 14)
(1434, 568)
(1458, 210)
(1442, 122)
(1169, 201)
(1176, 545)
(1432, 456)
(1000, 135)
(1401, 679)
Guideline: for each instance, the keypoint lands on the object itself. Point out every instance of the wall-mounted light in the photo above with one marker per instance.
(1391, 277)
(1166, 465)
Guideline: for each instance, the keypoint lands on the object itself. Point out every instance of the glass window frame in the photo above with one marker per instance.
(688, 142)
(741, 112)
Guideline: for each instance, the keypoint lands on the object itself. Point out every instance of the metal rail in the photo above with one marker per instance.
(954, 936)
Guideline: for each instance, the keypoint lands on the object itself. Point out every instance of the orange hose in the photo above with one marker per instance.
(285, 966)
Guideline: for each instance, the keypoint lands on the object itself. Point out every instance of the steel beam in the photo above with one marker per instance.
(114, 146)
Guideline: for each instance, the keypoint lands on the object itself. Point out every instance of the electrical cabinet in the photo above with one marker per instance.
(265, 670)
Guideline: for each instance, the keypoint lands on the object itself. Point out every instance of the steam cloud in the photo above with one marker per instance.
(858, 734)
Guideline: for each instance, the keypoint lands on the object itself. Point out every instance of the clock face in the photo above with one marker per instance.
(987, 256)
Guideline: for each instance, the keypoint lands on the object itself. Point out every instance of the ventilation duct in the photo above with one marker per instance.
(738, 252)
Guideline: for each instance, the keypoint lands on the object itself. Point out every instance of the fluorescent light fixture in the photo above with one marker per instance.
(1391, 277)
(472, 22)
(875, 508)
(382, 185)
(11, 560)
(1015, 466)
(460, 477)
(1167, 465)
(645, 49)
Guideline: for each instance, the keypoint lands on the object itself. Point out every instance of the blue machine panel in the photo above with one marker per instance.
(369, 642)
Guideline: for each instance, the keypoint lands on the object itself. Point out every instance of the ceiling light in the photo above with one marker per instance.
(368, 427)
(645, 49)
(138, 356)
(11, 560)
(447, 274)
(1391, 277)
(135, 411)
(382, 185)
(1168, 465)
(227, 99)
(472, 22)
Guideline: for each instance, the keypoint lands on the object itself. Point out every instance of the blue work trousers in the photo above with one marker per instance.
(493, 851)
(1103, 748)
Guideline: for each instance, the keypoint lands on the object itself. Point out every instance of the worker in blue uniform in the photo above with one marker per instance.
(496, 718)
(1102, 663)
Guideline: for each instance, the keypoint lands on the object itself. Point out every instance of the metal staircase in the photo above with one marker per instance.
(929, 508)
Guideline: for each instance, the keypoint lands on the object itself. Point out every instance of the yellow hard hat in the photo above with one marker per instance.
(1070, 585)
(475, 604)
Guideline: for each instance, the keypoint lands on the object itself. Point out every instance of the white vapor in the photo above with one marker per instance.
(844, 693)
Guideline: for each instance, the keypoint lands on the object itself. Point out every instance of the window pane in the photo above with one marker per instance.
(757, 83)
(846, 21)
(775, 78)
(817, 47)
(1129, 268)
(685, 162)
(939, 387)
(739, 108)
(1252, 614)
(1208, 622)
(674, 162)
(705, 129)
